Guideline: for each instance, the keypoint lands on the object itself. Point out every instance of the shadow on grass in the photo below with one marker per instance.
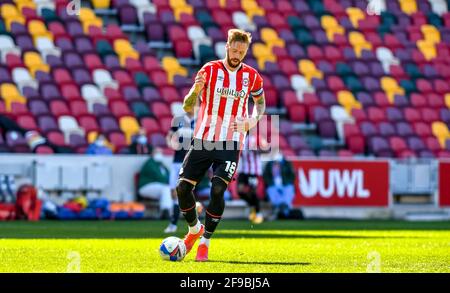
(269, 263)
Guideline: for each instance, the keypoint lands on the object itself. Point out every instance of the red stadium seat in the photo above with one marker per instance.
(93, 62)
(44, 150)
(165, 124)
(62, 76)
(150, 125)
(113, 32)
(351, 130)
(170, 94)
(133, 65)
(418, 101)
(398, 145)
(19, 109)
(177, 33)
(120, 108)
(436, 101)
(183, 49)
(78, 108)
(333, 54)
(159, 77)
(161, 109)
(118, 140)
(289, 98)
(356, 144)
(27, 122)
(112, 94)
(297, 113)
(381, 101)
(71, 92)
(88, 123)
(335, 83)
(59, 108)
(289, 67)
(271, 97)
(359, 115)
(433, 145)
(151, 63)
(123, 78)
(412, 115)
(376, 115)
(56, 137)
(422, 129)
(429, 115)
(424, 86)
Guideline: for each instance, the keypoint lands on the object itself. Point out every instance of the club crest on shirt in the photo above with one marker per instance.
(245, 82)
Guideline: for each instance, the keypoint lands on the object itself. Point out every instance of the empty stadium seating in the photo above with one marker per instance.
(345, 82)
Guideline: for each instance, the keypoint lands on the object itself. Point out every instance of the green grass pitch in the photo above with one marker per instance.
(237, 246)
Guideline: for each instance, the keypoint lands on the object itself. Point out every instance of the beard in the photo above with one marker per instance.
(236, 61)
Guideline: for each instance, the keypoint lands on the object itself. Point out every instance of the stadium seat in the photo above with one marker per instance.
(270, 37)
(309, 70)
(348, 101)
(34, 62)
(124, 49)
(10, 95)
(173, 67)
(68, 126)
(263, 54)
(355, 15)
(359, 43)
(331, 26)
(441, 131)
(408, 6)
(391, 88)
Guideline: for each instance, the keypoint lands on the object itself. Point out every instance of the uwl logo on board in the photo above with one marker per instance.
(343, 183)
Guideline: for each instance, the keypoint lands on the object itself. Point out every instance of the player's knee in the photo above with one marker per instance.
(184, 188)
(217, 202)
(218, 187)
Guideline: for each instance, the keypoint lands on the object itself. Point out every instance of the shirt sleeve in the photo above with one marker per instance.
(257, 89)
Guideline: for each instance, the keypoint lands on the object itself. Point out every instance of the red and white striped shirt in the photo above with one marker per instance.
(224, 99)
(250, 161)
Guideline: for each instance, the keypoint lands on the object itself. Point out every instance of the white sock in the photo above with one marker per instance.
(196, 228)
(205, 241)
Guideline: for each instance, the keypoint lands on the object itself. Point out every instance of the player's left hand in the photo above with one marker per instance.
(243, 125)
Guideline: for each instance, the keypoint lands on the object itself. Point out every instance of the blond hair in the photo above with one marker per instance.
(237, 35)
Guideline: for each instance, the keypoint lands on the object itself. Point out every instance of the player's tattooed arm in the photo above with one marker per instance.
(258, 111)
(248, 123)
(259, 107)
(191, 98)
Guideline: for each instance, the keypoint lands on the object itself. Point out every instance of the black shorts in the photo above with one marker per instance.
(224, 162)
(248, 180)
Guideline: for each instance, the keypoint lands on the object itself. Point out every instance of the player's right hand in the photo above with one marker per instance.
(200, 81)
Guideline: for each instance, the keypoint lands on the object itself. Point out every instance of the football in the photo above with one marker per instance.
(172, 248)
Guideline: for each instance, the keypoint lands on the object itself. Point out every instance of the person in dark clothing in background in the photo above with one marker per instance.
(178, 139)
(279, 179)
(154, 182)
(34, 138)
(140, 145)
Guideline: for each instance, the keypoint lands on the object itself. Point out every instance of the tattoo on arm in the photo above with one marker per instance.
(260, 107)
(190, 99)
